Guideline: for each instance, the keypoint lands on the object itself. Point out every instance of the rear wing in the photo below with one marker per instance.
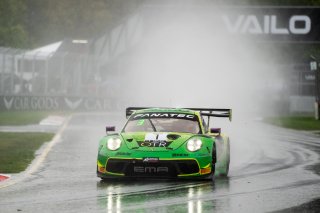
(131, 110)
(208, 112)
(214, 112)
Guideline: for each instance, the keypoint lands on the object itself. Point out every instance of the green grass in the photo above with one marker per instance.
(17, 118)
(298, 123)
(17, 150)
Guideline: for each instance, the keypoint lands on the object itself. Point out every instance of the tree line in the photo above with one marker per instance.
(32, 23)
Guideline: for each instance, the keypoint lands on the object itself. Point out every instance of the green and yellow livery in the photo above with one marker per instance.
(165, 143)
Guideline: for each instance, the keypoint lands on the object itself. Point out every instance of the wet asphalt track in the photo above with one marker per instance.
(271, 169)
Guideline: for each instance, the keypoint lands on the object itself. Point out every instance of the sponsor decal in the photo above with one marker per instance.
(31, 103)
(73, 104)
(140, 122)
(163, 115)
(154, 140)
(180, 155)
(153, 144)
(97, 104)
(150, 169)
(152, 137)
(150, 160)
(7, 103)
(267, 24)
(310, 77)
(203, 155)
(55, 103)
(123, 153)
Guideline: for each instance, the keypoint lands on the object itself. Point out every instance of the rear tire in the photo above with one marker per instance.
(213, 169)
(223, 155)
(213, 163)
(227, 157)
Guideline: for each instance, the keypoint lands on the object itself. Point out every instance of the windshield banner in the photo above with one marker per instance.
(163, 115)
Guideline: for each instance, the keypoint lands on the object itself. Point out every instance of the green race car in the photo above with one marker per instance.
(165, 143)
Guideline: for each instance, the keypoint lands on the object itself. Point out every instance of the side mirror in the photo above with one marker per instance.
(110, 129)
(215, 130)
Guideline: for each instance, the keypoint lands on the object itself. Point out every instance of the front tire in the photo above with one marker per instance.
(213, 163)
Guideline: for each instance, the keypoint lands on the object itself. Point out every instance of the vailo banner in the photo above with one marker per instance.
(257, 23)
(272, 24)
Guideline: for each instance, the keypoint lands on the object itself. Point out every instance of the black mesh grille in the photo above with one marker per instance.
(188, 167)
(116, 166)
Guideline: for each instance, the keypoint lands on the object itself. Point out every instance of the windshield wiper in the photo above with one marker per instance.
(153, 127)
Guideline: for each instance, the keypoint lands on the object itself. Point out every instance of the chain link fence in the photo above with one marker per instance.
(42, 73)
(35, 80)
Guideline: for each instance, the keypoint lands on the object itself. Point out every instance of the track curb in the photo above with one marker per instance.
(4, 177)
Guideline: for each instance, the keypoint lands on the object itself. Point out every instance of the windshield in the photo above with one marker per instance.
(163, 122)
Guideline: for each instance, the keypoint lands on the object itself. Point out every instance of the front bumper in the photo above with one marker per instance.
(164, 168)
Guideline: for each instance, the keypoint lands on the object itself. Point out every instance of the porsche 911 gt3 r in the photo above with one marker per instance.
(165, 143)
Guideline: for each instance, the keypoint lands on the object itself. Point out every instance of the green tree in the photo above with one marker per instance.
(50, 21)
(269, 2)
(12, 26)
(32, 23)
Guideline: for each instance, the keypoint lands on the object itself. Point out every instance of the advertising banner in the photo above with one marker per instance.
(274, 24)
(256, 23)
(16, 103)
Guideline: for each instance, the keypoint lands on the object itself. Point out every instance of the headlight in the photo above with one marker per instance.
(113, 143)
(194, 144)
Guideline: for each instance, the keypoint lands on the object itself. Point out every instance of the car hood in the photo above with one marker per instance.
(155, 141)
